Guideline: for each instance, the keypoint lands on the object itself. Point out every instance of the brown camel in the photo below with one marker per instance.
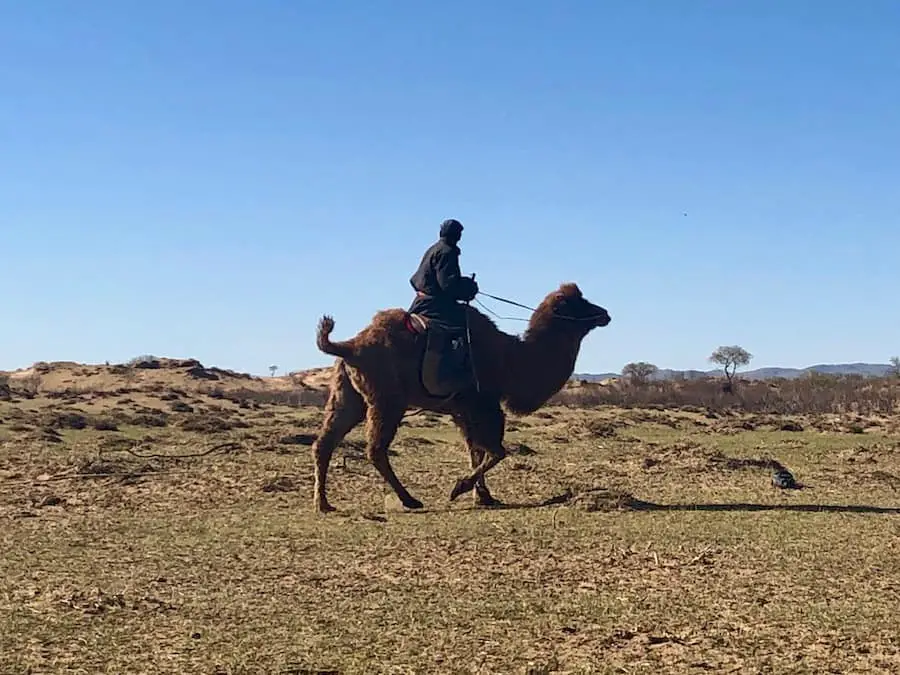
(378, 377)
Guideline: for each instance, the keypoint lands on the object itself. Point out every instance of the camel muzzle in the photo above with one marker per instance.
(601, 317)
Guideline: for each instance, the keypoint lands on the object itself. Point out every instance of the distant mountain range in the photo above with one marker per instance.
(864, 369)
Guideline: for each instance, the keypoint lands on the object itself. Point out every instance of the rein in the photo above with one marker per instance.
(508, 302)
(593, 317)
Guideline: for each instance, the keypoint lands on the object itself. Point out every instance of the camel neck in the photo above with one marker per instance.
(542, 364)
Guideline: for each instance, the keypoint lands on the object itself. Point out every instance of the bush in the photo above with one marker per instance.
(814, 394)
(104, 424)
(145, 361)
(295, 397)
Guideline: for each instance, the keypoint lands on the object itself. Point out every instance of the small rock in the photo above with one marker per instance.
(279, 484)
(521, 449)
(49, 500)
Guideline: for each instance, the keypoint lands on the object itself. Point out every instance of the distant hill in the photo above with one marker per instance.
(864, 369)
(150, 373)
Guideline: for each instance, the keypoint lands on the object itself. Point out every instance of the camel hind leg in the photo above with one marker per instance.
(344, 410)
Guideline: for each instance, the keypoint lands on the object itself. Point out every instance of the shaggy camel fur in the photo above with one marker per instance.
(376, 380)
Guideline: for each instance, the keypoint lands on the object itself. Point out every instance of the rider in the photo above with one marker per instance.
(439, 284)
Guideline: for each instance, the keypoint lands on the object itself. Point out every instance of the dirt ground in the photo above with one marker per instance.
(172, 532)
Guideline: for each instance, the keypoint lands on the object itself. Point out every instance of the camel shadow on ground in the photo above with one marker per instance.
(634, 504)
(800, 508)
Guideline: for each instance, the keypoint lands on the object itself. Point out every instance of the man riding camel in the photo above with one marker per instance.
(439, 284)
(440, 291)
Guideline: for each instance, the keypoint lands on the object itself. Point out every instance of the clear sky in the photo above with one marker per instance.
(205, 179)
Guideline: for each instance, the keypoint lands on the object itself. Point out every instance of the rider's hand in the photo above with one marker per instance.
(469, 289)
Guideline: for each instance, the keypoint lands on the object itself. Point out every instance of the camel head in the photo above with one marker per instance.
(567, 306)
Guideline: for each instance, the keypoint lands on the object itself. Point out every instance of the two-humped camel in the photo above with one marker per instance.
(376, 379)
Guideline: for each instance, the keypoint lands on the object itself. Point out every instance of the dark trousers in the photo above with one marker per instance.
(446, 336)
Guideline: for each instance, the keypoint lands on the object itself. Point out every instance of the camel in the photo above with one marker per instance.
(378, 376)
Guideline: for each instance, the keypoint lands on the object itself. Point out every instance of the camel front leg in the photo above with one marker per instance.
(483, 427)
(482, 495)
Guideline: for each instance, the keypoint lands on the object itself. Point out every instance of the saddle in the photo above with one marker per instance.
(446, 365)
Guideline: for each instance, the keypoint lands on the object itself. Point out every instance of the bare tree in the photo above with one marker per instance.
(895, 365)
(273, 370)
(730, 358)
(639, 372)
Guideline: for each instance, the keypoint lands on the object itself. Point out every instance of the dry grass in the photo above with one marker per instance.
(631, 543)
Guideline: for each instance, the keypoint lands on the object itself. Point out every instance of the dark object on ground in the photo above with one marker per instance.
(784, 479)
(791, 426)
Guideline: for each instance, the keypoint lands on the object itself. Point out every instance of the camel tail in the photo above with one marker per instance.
(344, 350)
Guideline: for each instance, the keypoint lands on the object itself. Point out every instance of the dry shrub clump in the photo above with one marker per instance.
(811, 394)
(248, 398)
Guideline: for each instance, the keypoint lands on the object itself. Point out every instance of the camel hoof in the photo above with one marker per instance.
(487, 501)
(413, 503)
(462, 486)
(324, 507)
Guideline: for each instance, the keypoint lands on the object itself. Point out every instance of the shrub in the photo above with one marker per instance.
(144, 361)
(813, 394)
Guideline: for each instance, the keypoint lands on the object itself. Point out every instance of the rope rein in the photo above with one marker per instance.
(497, 316)
(508, 302)
(593, 317)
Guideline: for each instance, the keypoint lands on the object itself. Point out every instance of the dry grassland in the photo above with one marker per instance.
(632, 541)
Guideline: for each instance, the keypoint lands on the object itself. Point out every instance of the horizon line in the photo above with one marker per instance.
(575, 374)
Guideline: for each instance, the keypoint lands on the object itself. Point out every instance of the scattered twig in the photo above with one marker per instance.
(155, 455)
(72, 474)
(700, 556)
(119, 474)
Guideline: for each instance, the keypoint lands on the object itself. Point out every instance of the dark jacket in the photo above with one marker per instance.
(441, 285)
(439, 276)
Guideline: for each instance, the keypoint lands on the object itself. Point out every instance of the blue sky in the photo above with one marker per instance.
(205, 179)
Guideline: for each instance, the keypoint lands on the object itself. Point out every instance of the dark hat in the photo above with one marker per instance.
(451, 228)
